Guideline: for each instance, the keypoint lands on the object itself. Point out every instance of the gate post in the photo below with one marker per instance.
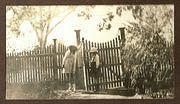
(122, 40)
(54, 60)
(79, 62)
(77, 37)
(122, 35)
(84, 68)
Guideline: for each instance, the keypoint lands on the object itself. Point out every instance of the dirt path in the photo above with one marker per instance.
(80, 95)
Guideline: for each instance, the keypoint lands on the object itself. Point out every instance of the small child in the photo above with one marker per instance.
(69, 64)
(94, 63)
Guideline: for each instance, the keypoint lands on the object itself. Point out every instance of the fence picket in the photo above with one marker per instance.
(36, 66)
(104, 62)
(107, 61)
(21, 67)
(115, 62)
(100, 55)
(52, 73)
(28, 67)
(110, 66)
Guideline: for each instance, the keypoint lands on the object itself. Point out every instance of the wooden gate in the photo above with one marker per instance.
(111, 63)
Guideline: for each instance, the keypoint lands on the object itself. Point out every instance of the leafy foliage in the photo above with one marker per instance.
(106, 22)
(149, 59)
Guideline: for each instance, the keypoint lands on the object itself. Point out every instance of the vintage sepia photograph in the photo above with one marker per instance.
(90, 52)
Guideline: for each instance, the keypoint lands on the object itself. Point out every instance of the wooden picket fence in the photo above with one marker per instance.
(111, 63)
(35, 66)
(45, 64)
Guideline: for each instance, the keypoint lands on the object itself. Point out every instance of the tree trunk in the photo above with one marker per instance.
(42, 43)
(42, 40)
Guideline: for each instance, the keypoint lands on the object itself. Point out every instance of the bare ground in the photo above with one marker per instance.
(79, 94)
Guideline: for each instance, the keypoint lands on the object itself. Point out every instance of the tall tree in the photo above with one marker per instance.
(40, 17)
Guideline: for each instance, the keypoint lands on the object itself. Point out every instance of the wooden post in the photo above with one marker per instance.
(122, 34)
(77, 37)
(121, 39)
(54, 60)
(84, 68)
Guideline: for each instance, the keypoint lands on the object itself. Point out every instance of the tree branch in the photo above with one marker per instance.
(37, 34)
(46, 34)
(59, 22)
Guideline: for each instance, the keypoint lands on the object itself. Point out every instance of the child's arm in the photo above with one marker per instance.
(97, 61)
(64, 58)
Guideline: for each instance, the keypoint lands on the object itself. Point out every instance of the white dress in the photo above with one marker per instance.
(69, 62)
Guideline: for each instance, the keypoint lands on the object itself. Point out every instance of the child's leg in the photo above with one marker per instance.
(96, 82)
(73, 82)
(68, 80)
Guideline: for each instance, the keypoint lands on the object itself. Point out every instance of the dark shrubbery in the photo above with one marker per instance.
(149, 67)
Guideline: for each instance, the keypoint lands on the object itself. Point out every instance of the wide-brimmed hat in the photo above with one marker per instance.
(93, 49)
(72, 47)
